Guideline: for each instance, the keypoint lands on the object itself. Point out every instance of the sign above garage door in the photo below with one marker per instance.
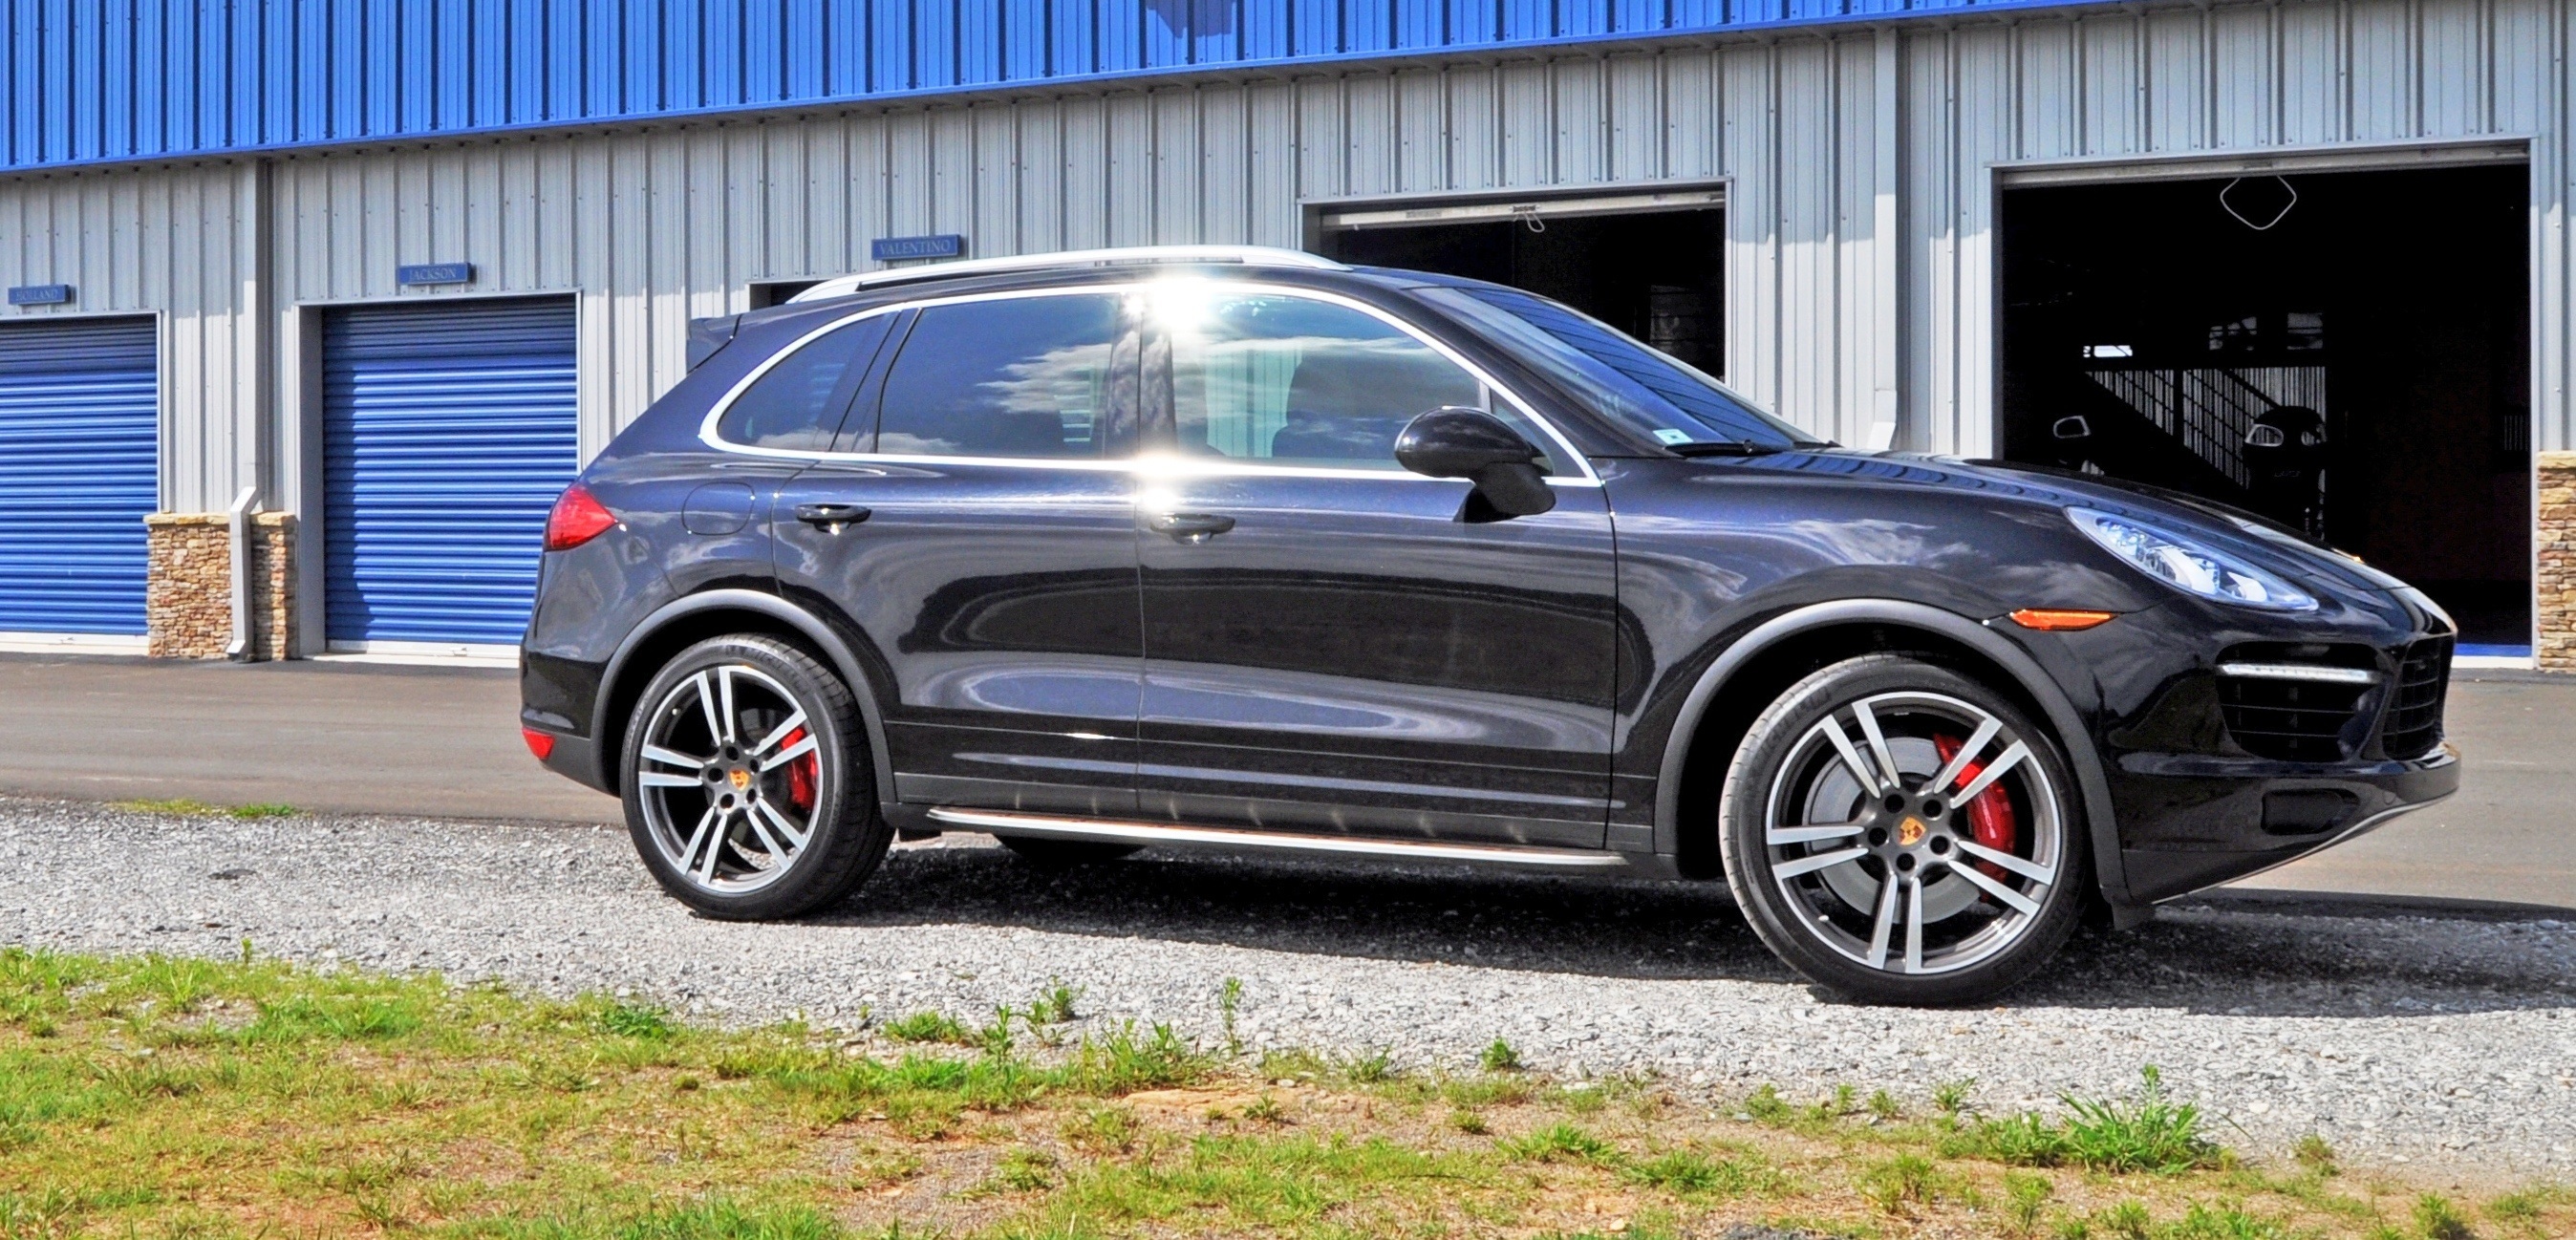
(448, 431)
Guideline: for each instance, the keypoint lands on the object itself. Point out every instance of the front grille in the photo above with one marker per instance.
(2414, 724)
(2294, 720)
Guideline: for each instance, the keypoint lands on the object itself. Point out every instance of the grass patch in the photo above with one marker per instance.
(1561, 1143)
(2152, 1133)
(929, 1027)
(160, 1097)
(191, 807)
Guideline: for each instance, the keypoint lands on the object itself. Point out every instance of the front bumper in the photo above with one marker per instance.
(2190, 821)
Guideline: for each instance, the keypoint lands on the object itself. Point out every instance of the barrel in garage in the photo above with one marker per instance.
(79, 436)
(448, 430)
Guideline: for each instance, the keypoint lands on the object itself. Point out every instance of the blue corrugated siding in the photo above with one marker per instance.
(79, 411)
(92, 80)
(448, 429)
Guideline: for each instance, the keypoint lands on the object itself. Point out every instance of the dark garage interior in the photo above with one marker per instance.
(1655, 275)
(2345, 352)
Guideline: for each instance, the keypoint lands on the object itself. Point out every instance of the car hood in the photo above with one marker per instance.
(2227, 528)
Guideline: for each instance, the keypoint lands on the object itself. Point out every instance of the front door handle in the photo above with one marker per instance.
(832, 516)
(1190, 527)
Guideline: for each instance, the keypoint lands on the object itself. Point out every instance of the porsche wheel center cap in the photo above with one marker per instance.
(1911, 832)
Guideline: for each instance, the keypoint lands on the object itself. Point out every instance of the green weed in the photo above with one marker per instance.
(643, 1022)
(1904, 1181)
(1693, 1174)
(2152, 1134)
(1560, 1143)
(930, 1027)
(2437, 1219)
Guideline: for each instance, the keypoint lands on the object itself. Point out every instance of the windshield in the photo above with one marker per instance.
(1612, 371)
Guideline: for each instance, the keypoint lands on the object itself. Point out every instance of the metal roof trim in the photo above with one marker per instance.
(1125, 256)
(1933, 11)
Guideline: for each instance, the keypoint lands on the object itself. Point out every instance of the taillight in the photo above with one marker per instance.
(578, 517)
(539, 743)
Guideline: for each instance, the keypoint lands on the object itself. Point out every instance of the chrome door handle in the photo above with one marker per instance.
(1190, 527)
(832, 516)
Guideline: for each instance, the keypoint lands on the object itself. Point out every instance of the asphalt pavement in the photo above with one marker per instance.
(320, 735)
(354, 738)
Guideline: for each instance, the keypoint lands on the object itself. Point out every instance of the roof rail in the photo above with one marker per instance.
(1246, 255)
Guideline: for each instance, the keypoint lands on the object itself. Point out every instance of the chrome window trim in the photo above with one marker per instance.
(1157, 464)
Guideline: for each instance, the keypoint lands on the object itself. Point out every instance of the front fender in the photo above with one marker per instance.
(2063, 717)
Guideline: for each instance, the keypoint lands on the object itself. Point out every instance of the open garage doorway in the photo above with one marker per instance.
(1649, 264)
(2345, 352)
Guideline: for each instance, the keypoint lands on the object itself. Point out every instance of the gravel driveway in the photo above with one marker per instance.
(2400, 1038)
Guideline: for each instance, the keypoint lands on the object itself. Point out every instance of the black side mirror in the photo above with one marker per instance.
(1452, 442)
(2071, 428)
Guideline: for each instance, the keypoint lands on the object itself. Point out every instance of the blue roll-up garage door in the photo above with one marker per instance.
(79, 432)
(448, 430)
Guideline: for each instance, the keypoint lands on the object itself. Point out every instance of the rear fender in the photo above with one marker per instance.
(806, 624)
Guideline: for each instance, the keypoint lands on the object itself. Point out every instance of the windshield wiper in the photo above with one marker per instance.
(1724, 447)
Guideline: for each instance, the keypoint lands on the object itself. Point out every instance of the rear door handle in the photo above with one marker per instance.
(1190, 527)
(832, 516)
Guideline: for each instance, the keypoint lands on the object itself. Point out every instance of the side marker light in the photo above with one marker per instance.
(2061, 620)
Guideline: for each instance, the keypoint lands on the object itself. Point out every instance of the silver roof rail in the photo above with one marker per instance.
(1246, 255)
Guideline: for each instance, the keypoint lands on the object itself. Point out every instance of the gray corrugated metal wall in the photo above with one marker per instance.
(183, 242)
(1859, 168)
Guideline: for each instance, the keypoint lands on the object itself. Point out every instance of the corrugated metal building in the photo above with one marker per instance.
(2112, 236)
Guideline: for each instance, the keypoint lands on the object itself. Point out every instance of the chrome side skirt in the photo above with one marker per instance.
(1011, 822)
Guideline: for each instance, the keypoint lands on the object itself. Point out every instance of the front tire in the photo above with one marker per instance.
(747, 784)
(1900, 833)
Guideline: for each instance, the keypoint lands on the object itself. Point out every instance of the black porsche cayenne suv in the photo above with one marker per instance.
(1246, 549)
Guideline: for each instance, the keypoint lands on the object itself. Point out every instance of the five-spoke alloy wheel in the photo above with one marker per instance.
(746, 784)
(1898, 832)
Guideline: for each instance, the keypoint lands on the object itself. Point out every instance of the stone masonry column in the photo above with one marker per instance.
(188, 603)
(2555, 574)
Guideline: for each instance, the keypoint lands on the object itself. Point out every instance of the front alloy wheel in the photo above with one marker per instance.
(1900, 833)
(745, 785)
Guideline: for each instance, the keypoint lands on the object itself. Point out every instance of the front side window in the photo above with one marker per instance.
(1015, 377)
(1614, 373)
(1288, 380)
(797, 404)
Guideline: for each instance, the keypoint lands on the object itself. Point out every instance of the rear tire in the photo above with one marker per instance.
(1890, 886)
(1054, 854)
(747, 783)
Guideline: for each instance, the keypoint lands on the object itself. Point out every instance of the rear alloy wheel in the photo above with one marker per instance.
(1900, 833)
(747, 785)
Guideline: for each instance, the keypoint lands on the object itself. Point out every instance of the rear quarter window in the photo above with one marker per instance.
(798, 403)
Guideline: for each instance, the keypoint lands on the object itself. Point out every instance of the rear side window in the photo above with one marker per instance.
(798, 403)
(1018, 377)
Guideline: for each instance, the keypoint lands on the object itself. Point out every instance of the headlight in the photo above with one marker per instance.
(2187, 565)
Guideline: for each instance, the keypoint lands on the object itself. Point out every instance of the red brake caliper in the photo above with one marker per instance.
(803, 773)
(1990, 816)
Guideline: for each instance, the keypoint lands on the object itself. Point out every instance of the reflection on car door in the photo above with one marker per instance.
(1329, 646)
(978, 525)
